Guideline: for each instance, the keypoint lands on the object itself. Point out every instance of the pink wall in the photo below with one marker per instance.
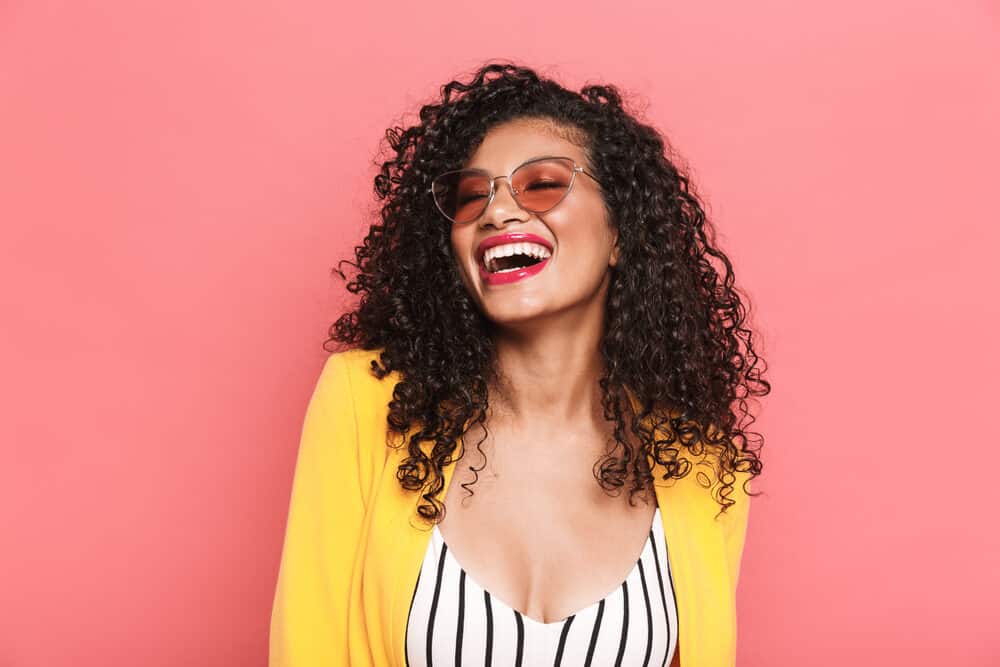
(177, 178)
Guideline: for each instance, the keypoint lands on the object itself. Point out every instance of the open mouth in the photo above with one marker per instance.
(511, 257)
(511, 263)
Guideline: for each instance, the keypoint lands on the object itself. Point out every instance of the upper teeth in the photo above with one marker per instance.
(508, 249)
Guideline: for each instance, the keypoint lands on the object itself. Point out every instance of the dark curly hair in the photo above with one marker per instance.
(674, 336)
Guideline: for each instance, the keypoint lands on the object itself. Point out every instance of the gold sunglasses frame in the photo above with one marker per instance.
(577, 169)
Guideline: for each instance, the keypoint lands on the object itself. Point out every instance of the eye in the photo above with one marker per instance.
(465, 198)
(544, 184)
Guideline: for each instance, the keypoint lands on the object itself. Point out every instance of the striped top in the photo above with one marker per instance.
(454, 621)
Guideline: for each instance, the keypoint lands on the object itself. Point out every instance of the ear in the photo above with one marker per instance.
(613, 260)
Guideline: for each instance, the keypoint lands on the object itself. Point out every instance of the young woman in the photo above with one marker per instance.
(544, 337)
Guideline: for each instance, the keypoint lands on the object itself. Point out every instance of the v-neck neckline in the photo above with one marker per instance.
(649, 543)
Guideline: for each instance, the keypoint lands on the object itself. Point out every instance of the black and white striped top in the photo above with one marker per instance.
(453, 621)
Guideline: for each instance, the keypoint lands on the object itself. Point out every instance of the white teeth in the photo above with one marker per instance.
(508, 249)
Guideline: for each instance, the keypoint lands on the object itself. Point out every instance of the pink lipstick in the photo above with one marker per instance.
(493, 279)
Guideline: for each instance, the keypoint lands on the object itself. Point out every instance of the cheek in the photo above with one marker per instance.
(585, 229)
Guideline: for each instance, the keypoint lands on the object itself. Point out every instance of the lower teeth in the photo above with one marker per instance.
(516, 268)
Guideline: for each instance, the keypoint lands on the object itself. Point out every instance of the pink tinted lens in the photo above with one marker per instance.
(462, 195)
(541, 185)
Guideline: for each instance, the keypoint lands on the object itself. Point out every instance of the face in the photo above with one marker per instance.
(577, 229)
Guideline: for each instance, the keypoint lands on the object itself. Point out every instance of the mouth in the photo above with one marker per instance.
(505, 270)
(488, 247)
(510, 263)
(509, 257)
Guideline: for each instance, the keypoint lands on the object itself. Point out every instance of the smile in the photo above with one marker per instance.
(505, 276)
(511, 257)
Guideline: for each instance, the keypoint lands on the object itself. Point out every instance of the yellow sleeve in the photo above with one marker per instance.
(735, 528)
(734, 519)
(309, 615)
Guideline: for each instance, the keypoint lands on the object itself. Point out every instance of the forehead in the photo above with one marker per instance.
(509, 144)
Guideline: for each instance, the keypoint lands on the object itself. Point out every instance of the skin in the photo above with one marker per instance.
(558, 556)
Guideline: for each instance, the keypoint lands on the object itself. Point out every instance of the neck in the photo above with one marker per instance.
(549, 376)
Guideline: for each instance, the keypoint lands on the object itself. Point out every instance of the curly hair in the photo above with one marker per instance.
(682, 349)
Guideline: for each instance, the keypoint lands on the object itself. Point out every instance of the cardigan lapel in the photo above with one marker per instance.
(410, 534)
(706, 609)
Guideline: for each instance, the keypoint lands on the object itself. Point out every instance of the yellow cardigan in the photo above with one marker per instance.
(354, 543)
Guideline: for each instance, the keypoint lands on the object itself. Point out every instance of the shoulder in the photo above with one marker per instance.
(351, 370)
(706, 480)
(353, 359)
(349, 385)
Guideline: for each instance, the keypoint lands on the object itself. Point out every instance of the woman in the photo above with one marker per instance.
(540, 286)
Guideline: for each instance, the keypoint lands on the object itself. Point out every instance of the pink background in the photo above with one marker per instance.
(177, 179)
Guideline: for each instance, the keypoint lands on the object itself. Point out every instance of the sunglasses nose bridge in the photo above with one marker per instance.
(496, 188)
(510, 185)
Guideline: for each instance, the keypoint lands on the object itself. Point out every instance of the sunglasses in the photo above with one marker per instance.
(537, 186)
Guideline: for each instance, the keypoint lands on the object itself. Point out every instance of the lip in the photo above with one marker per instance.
(496, 279)
(510, 237)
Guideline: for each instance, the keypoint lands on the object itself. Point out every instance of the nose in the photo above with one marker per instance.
(503, 207)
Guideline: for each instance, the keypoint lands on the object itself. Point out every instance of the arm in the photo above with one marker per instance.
(309, 615)
(734, 519)
(735, 528)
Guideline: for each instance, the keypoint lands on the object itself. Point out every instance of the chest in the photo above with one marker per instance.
(454, 620)
(537, 531)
